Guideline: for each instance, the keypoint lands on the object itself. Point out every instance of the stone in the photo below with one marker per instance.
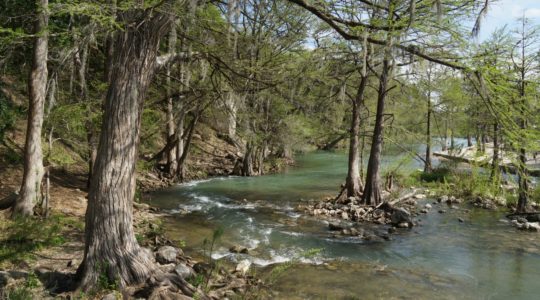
(400, 215)
(427, 206)
(403, 225)
(110, 296)
(184, 271)
(355, 232)
(335, 227)
(419, 196)
(166, 255)
(202, 268)
(521, 220)
(346, 232)
(243, 266)
(442, 211)
(238, 249)
(391, 230)
(424, 210)
(344, 216)
(442, 199)
(461, 220)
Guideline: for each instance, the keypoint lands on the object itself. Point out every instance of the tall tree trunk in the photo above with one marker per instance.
(172, 163)
(353, 183)
(111, 249)
(30, 192)
(495, 171)
(523, 180)
(445, 137)
(186, 144)
(469, 139)
(372, 190)
(247, 163)
(427, 163)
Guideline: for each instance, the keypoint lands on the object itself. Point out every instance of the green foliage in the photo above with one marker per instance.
(440, 174)
(22, 238)
(8, 115)
(25, 290)
(104, 281)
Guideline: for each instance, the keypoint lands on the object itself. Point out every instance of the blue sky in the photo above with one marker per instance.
(503, 12)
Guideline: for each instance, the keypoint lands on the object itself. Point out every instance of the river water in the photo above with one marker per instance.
(481, 258)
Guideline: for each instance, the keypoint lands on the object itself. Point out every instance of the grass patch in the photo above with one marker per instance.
(22, 238)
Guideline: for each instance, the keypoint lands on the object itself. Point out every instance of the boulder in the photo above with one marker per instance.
(166, 255)
(424, 210)
(238, 249)
(335, 227)
(344, 216)
(427, 206)
(110, 296)
(243, 266)
(403, 225)
(419, 196)
(184, 271)
(442, 199)
(400, 215)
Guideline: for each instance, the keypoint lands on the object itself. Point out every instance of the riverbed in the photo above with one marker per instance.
(480, 258)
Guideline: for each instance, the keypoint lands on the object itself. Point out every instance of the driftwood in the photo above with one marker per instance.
(395, 201)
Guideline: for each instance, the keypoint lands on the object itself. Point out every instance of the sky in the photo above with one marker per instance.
(503, 12)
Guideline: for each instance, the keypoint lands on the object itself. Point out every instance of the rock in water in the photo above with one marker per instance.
(243, 266)
(427, 206)
(183, 271)
(335, 227)
(401, 215)
(238, 249)
(166, 255)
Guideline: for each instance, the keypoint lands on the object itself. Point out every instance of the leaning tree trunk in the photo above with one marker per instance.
(33, 157)
(353, 183)
(111, 250)
(372, 190)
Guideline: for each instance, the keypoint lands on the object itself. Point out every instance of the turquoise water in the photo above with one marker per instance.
(482, 258)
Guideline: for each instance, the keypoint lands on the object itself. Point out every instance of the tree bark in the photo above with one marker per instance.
(353, 182)
(184, 145)
(427, 163)
(30, 192)
(172, 162)
(111, 249)
(495, 172)
(372, 190)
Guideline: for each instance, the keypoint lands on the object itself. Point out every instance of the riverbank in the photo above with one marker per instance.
(40, 256)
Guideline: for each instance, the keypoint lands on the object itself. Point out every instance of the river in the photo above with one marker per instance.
(481, 258)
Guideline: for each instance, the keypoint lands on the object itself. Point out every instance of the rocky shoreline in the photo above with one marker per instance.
(347, 217)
